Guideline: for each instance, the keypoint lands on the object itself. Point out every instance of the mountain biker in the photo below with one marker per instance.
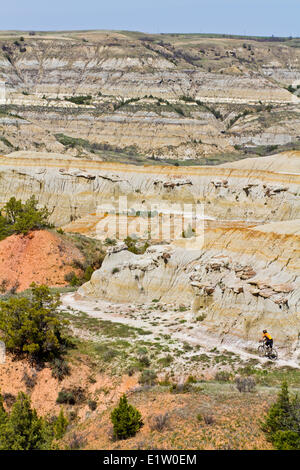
(267, 339)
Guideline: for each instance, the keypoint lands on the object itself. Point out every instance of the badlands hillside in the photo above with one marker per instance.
(170, 167)
(237, 263)
(131, 97)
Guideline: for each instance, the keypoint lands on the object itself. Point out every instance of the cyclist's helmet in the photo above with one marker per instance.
(264, 331)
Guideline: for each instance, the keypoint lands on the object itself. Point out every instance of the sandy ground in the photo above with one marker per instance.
(284, 162)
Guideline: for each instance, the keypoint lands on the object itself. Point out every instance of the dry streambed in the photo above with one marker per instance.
(184, 345)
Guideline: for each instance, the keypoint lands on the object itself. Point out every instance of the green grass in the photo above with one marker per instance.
(79, 99)
(166, 361)
(103, 327)
(264, 150)
(96, 148)
(200, 358)
(270, 376)
(121, 355)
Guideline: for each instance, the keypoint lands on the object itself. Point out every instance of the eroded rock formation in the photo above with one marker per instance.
(73, 189)
(241, 281)
(142, 97)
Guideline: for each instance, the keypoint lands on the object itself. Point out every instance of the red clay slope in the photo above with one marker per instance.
(41, 256)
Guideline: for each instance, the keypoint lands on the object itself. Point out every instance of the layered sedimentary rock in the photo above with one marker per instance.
(72, 189)
(76, 105)
(119, 63)
(239, 282)
(161, 96)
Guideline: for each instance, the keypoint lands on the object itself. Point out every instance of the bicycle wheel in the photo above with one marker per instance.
(273, 355)
(261, 351)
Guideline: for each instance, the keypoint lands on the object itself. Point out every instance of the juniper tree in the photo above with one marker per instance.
(17, 217)
(282, 424)
(60, 425)
(126, 419)
(31, 326)
(22, 429)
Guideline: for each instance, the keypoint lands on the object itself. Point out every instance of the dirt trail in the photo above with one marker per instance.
(130, 315)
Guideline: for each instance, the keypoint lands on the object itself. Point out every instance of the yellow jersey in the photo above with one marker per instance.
(267, 335)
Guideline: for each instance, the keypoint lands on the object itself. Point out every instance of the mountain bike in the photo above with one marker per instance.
(267, 351)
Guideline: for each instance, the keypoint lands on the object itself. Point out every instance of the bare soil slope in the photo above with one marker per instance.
(41, 256)
(233, 424)
(18, 375)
